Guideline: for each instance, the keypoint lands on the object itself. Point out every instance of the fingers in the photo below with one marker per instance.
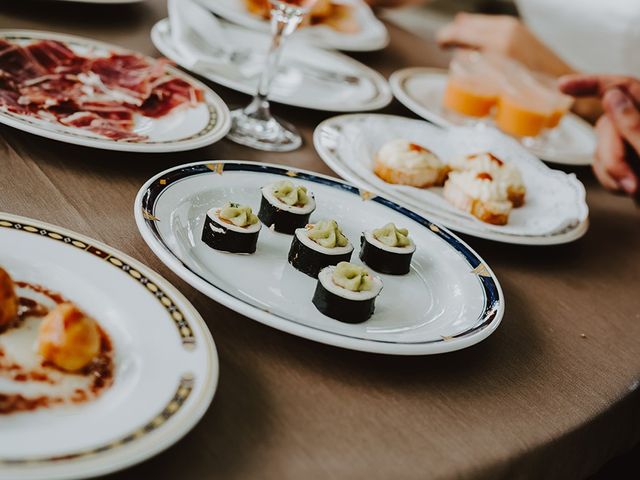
(597, 85)
(455, 34)
(473, 31)
(609, 152)
(624, 115)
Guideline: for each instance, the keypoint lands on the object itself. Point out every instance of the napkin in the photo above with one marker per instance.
(199, 37)
(204, 43)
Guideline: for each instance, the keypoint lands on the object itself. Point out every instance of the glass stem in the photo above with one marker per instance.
(284, 21)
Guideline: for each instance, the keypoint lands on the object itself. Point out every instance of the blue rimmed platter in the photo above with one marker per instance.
(165, 361)
(450, 299)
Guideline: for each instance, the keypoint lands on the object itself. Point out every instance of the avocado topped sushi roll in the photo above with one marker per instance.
(317, 246)
(285, 206)
(232, 228)
(347, 292)
(387, 250)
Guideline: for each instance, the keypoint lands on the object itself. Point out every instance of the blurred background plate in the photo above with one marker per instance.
(307, 81)
(102, 1)
(371, 34)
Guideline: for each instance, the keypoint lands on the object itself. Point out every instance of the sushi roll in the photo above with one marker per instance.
(347, 292)
(387, 250)
(317, 246)
(285, 206)
(233, 228)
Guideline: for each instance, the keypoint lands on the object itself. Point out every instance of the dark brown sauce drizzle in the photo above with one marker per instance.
(100, 370)
(55, 296)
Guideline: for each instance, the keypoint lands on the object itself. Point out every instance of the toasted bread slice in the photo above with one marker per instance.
(422, 178)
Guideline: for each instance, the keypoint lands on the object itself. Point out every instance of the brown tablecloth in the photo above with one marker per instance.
(553, 393)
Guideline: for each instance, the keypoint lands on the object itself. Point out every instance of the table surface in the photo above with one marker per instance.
(552, 393)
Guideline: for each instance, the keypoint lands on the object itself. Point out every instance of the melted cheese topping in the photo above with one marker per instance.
(480, 185)
(404, 155)
(501, 171)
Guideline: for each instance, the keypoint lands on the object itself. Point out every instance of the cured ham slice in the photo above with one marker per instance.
(56, 57)
(102, 94)
(102, 126)
(169, 94)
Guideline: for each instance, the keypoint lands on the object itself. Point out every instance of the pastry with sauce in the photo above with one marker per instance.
(8, 300)
(501, 171)
(479, 194)
(405, 163)
(68, 338)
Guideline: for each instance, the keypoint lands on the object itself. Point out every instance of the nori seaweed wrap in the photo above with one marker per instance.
(387, 250)
(347, 292)
(285, 206)
(232, 228)
(318, 246)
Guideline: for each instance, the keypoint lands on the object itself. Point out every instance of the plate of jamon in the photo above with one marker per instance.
(89, 93)
(103, 363)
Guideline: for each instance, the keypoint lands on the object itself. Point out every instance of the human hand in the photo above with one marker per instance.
(617, 163)
(502, 34)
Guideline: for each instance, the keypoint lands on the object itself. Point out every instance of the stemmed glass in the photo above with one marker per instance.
(254, 125)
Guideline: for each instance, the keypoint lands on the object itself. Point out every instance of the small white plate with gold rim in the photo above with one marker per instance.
(449, 300)
(421, 90)
(166, 365)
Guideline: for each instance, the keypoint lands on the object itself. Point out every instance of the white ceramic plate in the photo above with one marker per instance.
(166, 366)
(450, 299)
(421, 90)
(555, 210)
(294, 88)
(183, 129)
(373, 34)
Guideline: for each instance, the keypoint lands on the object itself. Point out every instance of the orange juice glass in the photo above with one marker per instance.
(561, 103)
(526, 107)
(472, 86)
(518, 115)
(469, 98)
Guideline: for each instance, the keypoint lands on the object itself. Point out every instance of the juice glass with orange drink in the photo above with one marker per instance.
(525, 107)
(473, 85)
(561, 103)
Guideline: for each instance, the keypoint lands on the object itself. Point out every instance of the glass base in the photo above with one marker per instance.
(268, 134)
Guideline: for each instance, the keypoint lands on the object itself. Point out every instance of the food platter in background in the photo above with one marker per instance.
(555, 210)
(105, 2)
(184, 128)
(421, 90)
(313, 78)
(166, 365)
(416, 314)
(368, 33)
